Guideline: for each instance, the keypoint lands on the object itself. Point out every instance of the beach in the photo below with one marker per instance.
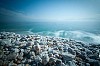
(37, 50)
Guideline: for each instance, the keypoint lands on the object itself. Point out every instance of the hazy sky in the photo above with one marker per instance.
(49, 10)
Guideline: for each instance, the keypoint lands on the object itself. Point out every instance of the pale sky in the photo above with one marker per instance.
(49, 10)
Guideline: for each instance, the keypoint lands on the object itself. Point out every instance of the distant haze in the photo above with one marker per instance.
(49, 10)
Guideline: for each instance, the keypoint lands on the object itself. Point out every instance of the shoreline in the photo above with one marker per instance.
(33, 50)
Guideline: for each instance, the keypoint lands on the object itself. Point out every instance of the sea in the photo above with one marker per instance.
(88, 32)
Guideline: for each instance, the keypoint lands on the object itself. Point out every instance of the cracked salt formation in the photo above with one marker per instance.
(36, 50)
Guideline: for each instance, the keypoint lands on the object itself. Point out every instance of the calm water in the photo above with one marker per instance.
(84, 31)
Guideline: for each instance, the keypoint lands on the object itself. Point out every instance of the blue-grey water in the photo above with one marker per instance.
(83, 31)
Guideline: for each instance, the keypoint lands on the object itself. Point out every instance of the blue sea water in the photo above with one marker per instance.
(82, 31)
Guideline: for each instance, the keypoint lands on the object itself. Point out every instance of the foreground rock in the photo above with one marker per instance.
(36, 50)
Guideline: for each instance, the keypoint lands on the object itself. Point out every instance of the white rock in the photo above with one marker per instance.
(71, 63)
(45, 59)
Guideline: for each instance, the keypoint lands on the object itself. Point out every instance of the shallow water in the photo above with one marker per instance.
(83, 31)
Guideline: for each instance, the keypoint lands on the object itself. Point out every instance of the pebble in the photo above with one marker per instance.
(36, 50)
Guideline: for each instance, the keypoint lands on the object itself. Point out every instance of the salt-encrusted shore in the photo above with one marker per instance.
(36, 50)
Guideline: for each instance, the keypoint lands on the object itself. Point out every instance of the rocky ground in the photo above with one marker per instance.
(36, 50)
